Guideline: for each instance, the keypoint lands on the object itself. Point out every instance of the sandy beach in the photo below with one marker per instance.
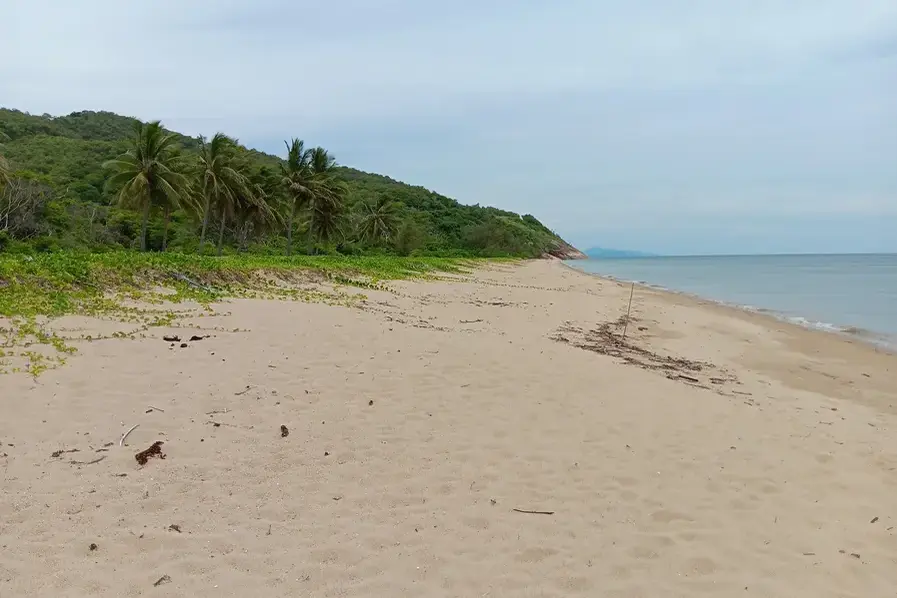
(479, 435)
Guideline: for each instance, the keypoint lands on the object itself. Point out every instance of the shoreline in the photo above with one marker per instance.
(485, 432)
(877, 340)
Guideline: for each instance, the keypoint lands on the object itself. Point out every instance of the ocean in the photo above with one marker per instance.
(850, 294)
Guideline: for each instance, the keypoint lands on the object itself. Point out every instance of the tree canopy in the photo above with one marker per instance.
(251, 201)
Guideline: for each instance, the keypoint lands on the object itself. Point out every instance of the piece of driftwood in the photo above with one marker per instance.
(62, 451)
(527, 511)
(125, 435)
(95, 461)
(161, 580)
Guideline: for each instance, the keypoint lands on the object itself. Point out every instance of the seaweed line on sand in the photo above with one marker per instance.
(607, 339)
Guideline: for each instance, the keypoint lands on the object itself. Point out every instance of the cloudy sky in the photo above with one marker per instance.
(673, 126)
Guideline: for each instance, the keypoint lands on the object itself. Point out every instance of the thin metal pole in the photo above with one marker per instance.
(628, 309)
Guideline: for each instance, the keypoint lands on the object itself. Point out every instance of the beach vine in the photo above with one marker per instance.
(152, 290)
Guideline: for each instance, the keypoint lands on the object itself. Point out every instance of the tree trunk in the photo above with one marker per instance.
(290, 228)
(205, 224)
(165, 232)
(311, 228)
(243, 236)
(144, 225)
(90, 234)
(221, 232)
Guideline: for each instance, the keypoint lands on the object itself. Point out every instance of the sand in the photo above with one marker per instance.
(717, 453)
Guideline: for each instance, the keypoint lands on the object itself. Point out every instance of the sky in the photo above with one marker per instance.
(668, 126)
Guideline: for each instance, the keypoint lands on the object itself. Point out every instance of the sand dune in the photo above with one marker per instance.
(716, 453)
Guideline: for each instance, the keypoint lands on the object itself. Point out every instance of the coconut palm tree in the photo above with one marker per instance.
(379, 220)
(150, 174)
(221, 181)
(297, 180)
(255, 215)
(327, 198)
(170, 205)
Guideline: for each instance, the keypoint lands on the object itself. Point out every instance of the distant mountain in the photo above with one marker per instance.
(602, 252)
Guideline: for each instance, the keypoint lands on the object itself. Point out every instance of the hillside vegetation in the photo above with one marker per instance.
(99, 181)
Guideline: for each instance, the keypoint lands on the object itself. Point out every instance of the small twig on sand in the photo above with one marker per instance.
(244, 391)
(125, 435)
(156, 408)
(533, 512)
(161, 580)
(87, 462)
(216, 411)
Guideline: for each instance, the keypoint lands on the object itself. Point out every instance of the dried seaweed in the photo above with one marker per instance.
(606, 340)
(155, 450)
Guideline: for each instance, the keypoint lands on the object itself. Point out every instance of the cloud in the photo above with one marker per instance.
(575, 110)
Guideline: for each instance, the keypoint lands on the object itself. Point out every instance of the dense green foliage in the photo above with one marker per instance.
(60, 196)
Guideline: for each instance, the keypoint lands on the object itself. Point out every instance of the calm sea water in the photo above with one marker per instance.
(855, 294)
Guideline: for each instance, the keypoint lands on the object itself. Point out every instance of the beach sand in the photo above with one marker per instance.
(715, 452)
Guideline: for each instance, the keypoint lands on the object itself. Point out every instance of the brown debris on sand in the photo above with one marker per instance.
(606, 340)
(155, 450)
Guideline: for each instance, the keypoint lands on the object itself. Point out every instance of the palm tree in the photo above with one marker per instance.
(380, 220)
(297, 179)
(170, 205)
(327, 195)
(149, 174)
(221, 181)
(255, 215)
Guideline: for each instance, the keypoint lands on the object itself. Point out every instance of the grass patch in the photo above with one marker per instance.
(127, 287)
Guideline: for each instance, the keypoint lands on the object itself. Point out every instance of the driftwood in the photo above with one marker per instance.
(161, 580)
(125, 435)
(95, 461)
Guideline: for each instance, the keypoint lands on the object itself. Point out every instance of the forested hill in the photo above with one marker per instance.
(56, 194)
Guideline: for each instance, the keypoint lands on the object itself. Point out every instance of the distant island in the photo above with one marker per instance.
(98, 181)
(602, 252)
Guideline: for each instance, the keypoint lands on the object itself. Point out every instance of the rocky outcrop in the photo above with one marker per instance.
(565, 251)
